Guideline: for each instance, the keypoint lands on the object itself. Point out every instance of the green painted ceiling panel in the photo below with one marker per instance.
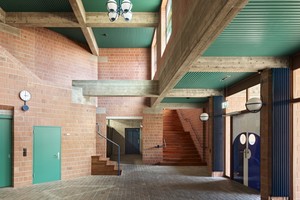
(36, 6)
(184, 100)
(71, 33)
(262, 28)
(210, 80)
(124, 37)
(137, 5)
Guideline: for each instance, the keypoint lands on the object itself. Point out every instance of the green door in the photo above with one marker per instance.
(5, 150)
(46, 154)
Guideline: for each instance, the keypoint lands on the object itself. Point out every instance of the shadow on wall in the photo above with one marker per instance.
(117, 137)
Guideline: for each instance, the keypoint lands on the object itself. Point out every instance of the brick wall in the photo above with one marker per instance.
(152, 136)
(124, 64)
(191, 123)
(101, 143)
(44, 63)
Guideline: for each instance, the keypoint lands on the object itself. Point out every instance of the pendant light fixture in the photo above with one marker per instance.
(116, 9)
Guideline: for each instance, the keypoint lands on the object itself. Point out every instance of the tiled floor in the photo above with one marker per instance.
(140, 182)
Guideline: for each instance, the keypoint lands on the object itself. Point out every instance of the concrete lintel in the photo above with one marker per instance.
(194, 93)
(121, 88)
(238, 64)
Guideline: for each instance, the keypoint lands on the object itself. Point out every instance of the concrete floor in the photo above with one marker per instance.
(140, 182)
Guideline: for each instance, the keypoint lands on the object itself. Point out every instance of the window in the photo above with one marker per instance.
(153, 56)
(236, 102)
(296, 132)
(166, 23)
(296, 83)
(169, 21)
(253, 92)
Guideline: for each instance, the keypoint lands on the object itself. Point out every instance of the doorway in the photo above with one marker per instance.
(5, 151)
(246, 149)
(46, 154)
(132, 141)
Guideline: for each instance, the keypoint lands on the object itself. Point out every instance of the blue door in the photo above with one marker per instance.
(5, 151)
(46, 154)
(246, 159)
(132, 141)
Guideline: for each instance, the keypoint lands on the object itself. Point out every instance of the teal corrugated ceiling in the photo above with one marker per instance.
(184, 100)
(138, 5)
(35, 5)
(210, 80)
(124, 37)
(262, 28)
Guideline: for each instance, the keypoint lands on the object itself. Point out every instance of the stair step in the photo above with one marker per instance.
(103, 166)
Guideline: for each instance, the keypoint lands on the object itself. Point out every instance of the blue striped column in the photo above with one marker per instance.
(281, 146)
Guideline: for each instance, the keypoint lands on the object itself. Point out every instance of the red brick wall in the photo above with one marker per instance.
(152, 135)
(191, 123)
(44, 63)
(124, 64)
(101, 143)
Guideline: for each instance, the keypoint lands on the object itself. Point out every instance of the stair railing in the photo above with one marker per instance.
(98, 131)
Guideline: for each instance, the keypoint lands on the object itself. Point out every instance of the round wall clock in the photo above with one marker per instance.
(25, 95)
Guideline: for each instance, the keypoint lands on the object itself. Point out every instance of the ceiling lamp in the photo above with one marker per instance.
(204, 117)
(254, 105)
(116, 9)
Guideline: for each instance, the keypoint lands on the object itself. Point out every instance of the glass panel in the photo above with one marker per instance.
(169, 21)
(254, 91)
(296, 149)
(296, 83)
(236, 102)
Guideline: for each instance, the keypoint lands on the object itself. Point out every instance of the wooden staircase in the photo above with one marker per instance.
(103, 166)
(180, 148)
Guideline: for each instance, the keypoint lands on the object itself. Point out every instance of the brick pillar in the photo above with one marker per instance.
(216, 136)
(152, 133)
(275, 135)
(101, 142)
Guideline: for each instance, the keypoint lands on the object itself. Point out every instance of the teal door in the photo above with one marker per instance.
(46, 154)
(5, 151)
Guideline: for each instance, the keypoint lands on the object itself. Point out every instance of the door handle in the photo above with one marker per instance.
(57, 156)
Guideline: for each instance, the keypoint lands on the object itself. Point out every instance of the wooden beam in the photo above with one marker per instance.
(41, 19)
(118, 88)
(9, 29)
(203, 25)
(139, 19)
(66, 19)
(79, 12)
(2, 15)
(238, 64)
(193, 93)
